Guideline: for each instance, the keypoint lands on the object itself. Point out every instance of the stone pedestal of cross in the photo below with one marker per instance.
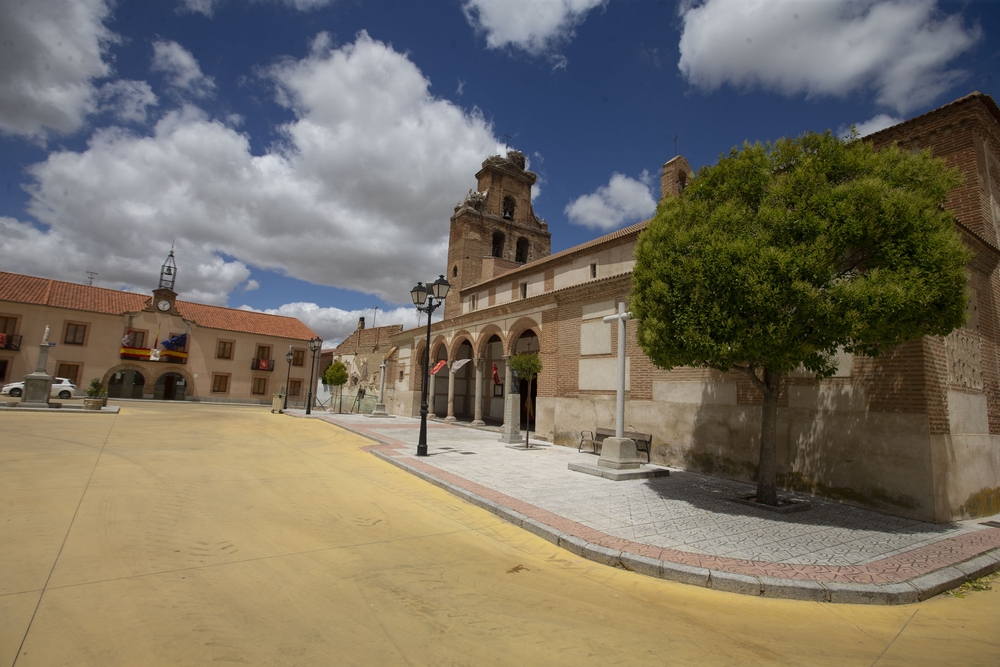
(511, 432)
(379, 410)
(619, 452)
(38, 384)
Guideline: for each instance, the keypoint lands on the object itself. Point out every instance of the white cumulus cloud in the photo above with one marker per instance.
(335, 324)
(181, 69)
(127, 99)
(356, 195)
(622, 200)
(51, 52)
(870, 126)
(207, 7)
(898, 49)
(535, 26)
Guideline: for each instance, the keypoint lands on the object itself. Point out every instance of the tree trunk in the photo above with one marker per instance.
(767, 492)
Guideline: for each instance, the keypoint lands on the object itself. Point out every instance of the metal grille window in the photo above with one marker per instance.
(295, 387)
(259, 386)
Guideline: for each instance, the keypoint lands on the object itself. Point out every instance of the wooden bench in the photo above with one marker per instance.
(593, 438)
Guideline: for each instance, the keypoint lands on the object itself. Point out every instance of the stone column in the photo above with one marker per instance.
(37, 385)
(511, 407)
(431, 387)
(478, 409)
(451, 392)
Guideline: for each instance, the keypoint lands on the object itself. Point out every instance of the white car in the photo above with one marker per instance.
(61, 388)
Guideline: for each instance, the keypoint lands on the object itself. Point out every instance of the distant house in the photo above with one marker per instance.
(150, 346)
(363, 353)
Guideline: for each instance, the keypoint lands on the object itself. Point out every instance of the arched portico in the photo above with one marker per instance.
(167, 384)
(516, 333)
(128, 381)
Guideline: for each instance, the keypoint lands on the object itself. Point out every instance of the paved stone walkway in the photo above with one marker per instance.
(686, 527)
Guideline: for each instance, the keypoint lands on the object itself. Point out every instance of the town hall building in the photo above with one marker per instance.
(151, 346)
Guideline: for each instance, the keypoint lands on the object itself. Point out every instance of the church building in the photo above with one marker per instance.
(915, 433)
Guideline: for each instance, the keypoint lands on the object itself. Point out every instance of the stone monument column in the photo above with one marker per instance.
(511, 407)
(430, 394)
(451, 392)
(478, 410)
(619, 452)
(37, 385)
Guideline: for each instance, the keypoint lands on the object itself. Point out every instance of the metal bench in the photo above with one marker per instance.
(592, 439)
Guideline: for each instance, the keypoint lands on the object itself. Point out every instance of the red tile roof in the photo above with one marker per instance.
(45, 292)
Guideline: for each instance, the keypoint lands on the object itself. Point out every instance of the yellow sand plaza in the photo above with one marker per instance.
(180, 534)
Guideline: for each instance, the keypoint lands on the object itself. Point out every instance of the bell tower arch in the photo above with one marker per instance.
(495, 229)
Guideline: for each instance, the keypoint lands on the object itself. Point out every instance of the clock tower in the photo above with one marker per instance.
(164, 296)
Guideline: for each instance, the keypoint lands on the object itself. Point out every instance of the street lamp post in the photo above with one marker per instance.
(314, 345)
(288, 358)
(427, 303)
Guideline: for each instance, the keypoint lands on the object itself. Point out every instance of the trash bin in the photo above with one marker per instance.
(278, 402)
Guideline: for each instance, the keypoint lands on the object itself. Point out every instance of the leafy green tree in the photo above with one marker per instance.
(527, 366)
(779, 254)
(336, 374)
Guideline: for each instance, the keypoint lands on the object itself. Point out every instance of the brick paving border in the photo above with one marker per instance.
(903, 578)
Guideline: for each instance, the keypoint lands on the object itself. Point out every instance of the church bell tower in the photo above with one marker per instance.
(495, 229)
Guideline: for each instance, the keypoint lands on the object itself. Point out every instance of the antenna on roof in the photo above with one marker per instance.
(90, 277)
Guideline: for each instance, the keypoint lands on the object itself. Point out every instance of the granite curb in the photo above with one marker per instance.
(906, 592)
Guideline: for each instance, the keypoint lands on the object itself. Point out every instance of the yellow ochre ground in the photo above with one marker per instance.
(183, 534)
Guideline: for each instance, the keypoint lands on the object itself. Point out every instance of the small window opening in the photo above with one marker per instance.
(508, 208)
(681, 182)
(472, 302)
(522, 250)
(454, 271)
(524, 290)
(593, 270)
(498, 240)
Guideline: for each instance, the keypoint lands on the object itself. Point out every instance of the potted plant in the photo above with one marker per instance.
(97, 395)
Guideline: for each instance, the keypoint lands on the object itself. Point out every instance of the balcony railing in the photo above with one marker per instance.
(262, 364)
(10, 342)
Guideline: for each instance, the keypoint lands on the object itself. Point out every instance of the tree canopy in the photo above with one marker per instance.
(526, 365)
(782, 253)
(335, 374)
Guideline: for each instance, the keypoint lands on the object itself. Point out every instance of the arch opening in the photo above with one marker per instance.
(498, 241)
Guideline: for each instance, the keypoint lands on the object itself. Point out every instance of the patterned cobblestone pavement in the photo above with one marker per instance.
(687, 526)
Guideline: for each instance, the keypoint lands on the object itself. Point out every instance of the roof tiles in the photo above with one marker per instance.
(56, 293)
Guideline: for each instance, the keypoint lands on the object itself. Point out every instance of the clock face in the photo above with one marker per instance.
(163, 305)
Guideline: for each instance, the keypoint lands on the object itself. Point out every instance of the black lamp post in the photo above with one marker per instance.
(288, 358)
(427, 303)
(314, 345)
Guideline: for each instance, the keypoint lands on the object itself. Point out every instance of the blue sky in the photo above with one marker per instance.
(304, 156)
